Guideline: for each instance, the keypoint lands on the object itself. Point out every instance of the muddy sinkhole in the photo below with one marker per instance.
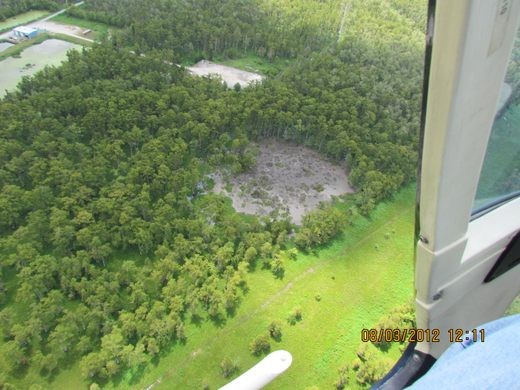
(286, 179)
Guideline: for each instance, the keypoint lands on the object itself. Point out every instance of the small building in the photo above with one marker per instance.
(25, 32)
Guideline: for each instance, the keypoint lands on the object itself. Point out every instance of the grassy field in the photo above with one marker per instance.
(345, 287)
(99, 30)
(22, 19)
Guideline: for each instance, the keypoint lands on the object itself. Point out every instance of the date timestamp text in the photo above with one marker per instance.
(420, 335)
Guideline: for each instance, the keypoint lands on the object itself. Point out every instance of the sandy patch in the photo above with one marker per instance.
(286, 180)
(230, 75)
(58, 27)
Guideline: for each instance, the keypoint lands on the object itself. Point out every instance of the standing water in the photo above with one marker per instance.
(34, 58)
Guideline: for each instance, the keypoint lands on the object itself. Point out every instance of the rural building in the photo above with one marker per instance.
(25, 32)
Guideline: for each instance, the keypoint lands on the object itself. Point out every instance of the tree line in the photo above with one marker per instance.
(9, 8)
(200, 29)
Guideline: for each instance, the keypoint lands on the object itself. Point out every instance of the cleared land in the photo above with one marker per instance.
(287, 179)
(79, 26)
(22, 19)
(32, 59)
(59, 28)
(230, 76)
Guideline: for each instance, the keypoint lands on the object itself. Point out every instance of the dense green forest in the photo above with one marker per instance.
(110, 242)
(201, 29)
(10, 8)
(106, 154)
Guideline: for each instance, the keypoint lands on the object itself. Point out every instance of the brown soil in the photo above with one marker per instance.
(287, 180)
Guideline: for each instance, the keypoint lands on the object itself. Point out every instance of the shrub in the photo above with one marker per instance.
(400, 317)
(342, 381)
(371, 364)
(292, 253)
(260, 345)
(275, 330)
(318, 227)
(250, 254)
(372, 370)
(228, 367)
(278, 267)
(295, 316)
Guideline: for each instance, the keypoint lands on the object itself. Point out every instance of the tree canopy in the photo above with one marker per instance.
(9, 8)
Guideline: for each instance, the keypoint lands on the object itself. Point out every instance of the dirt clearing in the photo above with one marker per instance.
(66, 29)
(287, 180)
(230, 75)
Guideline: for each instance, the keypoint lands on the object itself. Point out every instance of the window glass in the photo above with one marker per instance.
(500, 177)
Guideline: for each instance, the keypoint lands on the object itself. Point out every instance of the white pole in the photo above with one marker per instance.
(262, 373)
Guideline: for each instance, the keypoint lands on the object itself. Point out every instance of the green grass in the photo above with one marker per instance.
(253, 63)
(24, 18)
(71, 39)
(247, 61)
(514, 308)
(359, 277)
(99, 30)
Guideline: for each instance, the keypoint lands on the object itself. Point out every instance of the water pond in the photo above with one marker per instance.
(32, 60)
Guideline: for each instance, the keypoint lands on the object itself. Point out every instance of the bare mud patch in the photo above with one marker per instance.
(287, 179)
(228, 74)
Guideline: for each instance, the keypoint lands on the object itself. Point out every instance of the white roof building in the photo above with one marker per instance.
(24, 31)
